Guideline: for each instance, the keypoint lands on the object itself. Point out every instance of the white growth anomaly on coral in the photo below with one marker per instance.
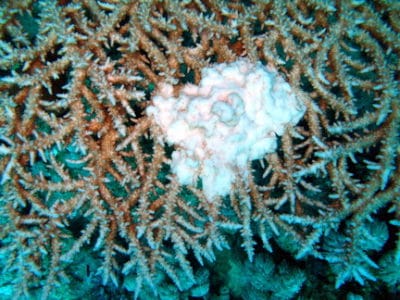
(229, 119)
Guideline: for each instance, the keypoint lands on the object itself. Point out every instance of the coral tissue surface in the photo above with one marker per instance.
(219, 149)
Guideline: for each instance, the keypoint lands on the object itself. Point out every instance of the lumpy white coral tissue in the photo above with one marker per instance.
(232, 117)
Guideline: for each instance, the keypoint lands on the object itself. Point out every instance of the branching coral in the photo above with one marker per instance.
(83, 169)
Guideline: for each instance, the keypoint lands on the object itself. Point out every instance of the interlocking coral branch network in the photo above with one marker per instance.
(88, 195)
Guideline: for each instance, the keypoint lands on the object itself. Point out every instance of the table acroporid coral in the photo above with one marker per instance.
(175, 149)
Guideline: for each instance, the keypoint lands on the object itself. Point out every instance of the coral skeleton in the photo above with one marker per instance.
(230, 119)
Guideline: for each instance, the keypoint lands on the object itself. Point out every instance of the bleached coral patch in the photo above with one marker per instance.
(232, 117)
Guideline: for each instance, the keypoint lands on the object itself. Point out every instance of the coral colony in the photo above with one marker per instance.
(199, 149)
